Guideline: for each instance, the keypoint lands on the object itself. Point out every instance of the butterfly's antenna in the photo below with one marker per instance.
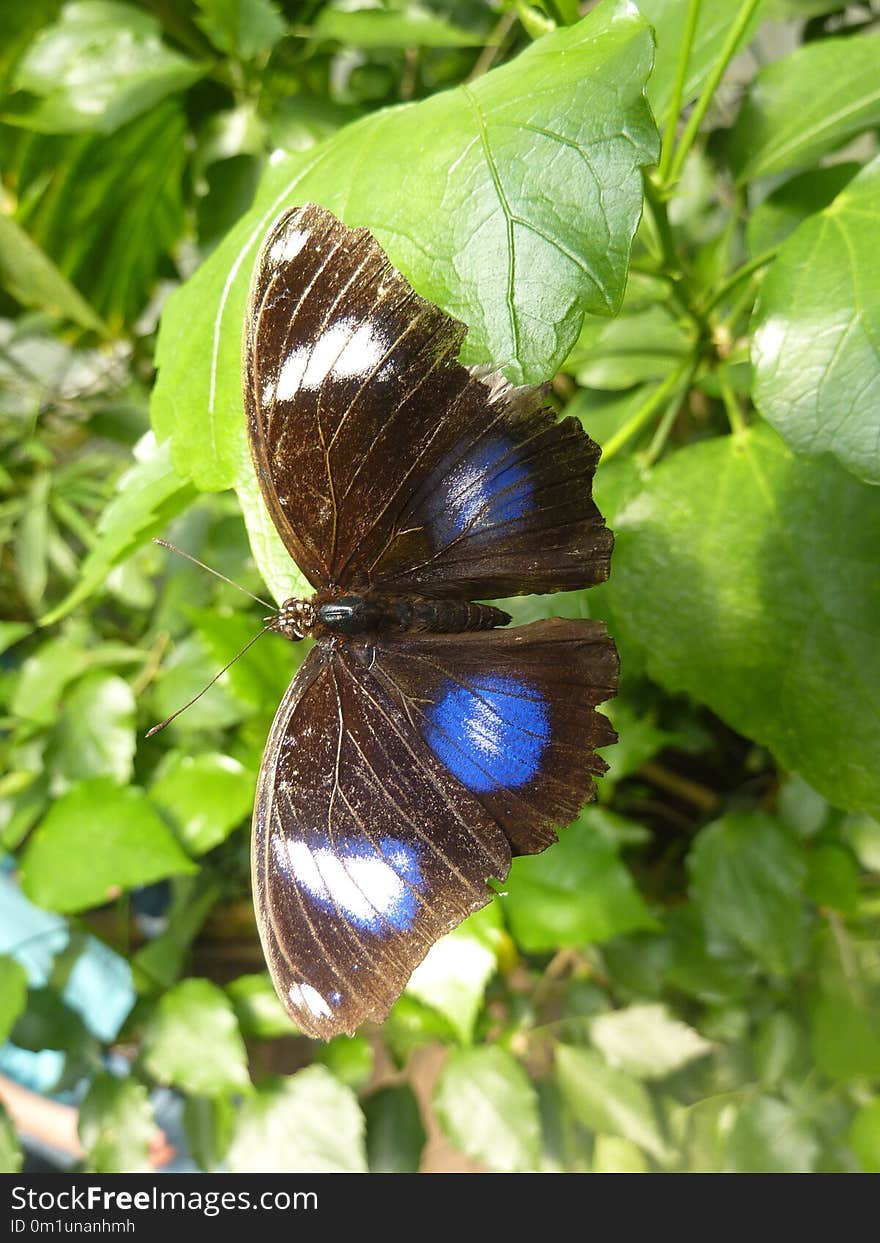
(173, 547)
(247, 646)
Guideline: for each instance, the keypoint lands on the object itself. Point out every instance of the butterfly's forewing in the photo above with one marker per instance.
(383, 461)
(365, 848)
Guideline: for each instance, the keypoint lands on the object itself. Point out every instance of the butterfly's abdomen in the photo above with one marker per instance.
(353, 615)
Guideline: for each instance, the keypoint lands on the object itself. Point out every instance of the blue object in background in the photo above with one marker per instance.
(99, 986)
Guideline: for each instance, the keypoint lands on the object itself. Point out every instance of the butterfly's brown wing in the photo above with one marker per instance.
(382, 460)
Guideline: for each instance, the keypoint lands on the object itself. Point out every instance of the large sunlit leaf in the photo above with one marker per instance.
(608, 1100)
(518, 261)
(453, 976)
(816, 333)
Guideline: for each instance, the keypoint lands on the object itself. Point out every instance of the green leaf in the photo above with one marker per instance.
(374, 27)
(206, 796)
(350, 1059)
(862, 834)
(159, 963)
(208, 1123)
(116, 1126)
(33, 279)
(242, 28)
(778, 215)
(746, 874)
(259, 1012)
(94, 736)
(577, 892)
(453, 977)
(770, 1137)
(307, 1124)
(459, 219)
(13, 993)
(11, 1156)
(816, 333)
(96, 840)
(192, 1041)
(704, 962)
(99, 66)
(107, 209)
(832, 878)
(608, 1101)
(613, 1155)
(739, 573)
(646, 344)
(845, 1012)
(668, 18)
(395, 1135)
(488, 1108)
(646, 1041)
(805, 105)
(147, 497)
(278, 569)
(864, 1136)
(780, 1049)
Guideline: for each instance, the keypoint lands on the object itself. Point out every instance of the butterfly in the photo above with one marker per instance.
(420, 745)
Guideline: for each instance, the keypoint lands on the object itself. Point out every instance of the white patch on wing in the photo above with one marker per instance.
(287, 246)
(310, 999)
(338, 352)
(362, 886)
(361, 353)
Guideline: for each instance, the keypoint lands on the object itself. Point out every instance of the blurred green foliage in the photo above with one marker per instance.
(690, 980)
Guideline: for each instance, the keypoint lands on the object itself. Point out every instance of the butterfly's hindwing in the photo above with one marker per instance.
(365, 848)
(511, 713)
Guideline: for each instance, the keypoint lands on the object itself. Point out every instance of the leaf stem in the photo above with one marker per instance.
(647, 410)
(735, 416)
(741, 274)
(687, 43)
(695, 120)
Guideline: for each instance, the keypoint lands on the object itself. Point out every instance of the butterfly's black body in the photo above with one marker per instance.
(421, 744)
(343, 615)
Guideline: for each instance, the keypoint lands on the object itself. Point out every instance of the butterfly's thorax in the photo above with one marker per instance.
(344, 614)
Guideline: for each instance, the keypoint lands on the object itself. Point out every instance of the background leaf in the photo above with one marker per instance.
(102, 64)
(488, 1109)
(803, 106)
(759, 554)
(96, 840)
(816, 342)
(307, 1124)
(192, 1041)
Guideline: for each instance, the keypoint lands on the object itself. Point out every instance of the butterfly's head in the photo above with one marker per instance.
(295, 619)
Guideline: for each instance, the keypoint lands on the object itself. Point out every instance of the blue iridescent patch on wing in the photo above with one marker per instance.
(373, 887)
(486, 487)
(490, 734)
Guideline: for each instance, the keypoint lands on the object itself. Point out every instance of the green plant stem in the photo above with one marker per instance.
(695, 120)
(735, 416)
(646, 411)
(664, 427)
(679, 291)
(741, 274)
(687, 43)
